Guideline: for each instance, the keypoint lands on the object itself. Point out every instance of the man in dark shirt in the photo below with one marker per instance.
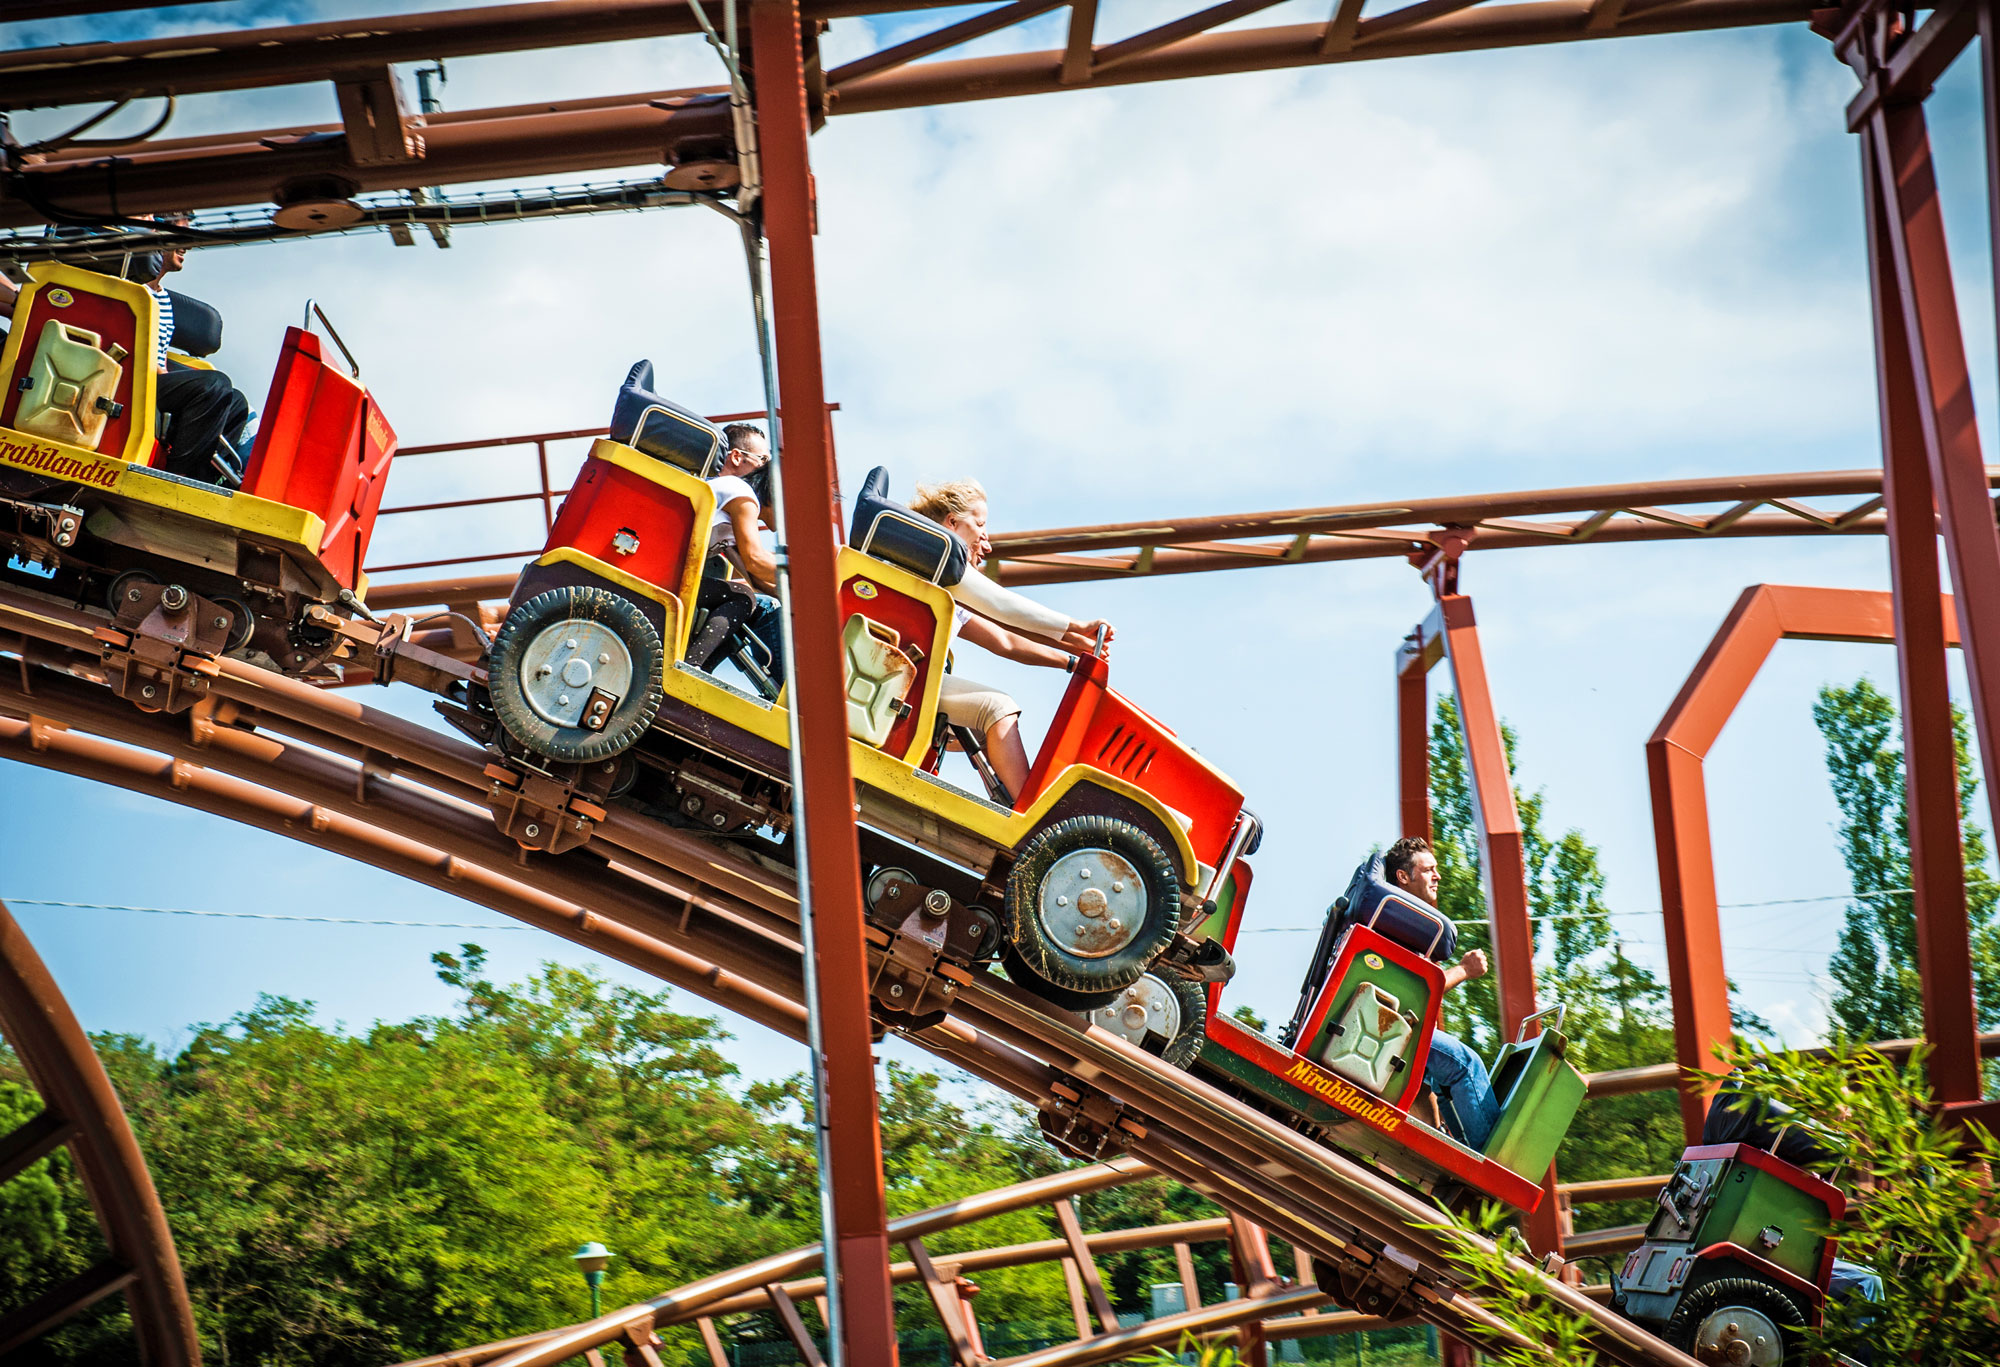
(1455, 1074)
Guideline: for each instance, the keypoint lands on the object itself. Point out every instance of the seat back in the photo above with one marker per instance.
(1539, 1094)
(324, 446)
(1370, 1044)
(888, 531)
(78, 365)
(879, 676)
(664, 430)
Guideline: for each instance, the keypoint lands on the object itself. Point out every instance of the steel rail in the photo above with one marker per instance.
(1670, 510)
(262, 57)
(509, 144)
(81, 1112)
(1387, 35)
(997, 1034)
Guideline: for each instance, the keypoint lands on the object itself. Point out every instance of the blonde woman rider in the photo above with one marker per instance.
(960, 506)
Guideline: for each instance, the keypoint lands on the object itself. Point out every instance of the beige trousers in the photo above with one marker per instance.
(974, 705)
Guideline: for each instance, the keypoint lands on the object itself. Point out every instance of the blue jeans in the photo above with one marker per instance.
(1852, 1279)
(764, 625)
(1464, 1091)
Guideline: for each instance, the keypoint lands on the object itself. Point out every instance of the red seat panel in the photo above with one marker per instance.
(324, 446)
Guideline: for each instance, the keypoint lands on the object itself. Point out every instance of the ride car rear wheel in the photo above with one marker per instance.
(1163, 1013)
(574, 674)
(1738, 1320)
(1091, 902)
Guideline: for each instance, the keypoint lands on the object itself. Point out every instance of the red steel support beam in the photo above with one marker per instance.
(817, 690)
(64, 1069)
(1451, 633)
(1911, 219)
(1503, 863)
(1764, 615)
(1937, 861)
(1413, 734)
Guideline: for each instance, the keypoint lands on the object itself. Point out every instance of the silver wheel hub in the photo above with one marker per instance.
(1147, 1006)
(1740, 1337)
(567, 663)
(1092, 903)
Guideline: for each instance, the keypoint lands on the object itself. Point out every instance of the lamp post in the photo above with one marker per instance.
(590, 1259)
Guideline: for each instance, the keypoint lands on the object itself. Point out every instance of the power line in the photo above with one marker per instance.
(263, 915)
(1609, 915)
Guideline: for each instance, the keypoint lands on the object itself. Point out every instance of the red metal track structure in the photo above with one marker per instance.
(1934, 481)
(81, 1111)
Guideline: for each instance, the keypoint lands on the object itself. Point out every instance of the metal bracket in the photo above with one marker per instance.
(547, 812)
(1086, 1124)
(171, 639)
(1377, 1282)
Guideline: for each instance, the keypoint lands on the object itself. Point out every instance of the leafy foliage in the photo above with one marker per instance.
(1877, 993)
(1924, 1212)
(366, 1197)
(1495, 1269)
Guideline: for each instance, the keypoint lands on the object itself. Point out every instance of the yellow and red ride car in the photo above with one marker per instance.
(1102, 866)
(186, 568)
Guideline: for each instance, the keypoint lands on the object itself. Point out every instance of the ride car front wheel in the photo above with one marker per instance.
(1091, 902)
(574, 674)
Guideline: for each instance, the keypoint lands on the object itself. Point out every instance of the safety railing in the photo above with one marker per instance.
(545, 490)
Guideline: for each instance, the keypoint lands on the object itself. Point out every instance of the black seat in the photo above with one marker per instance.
(1398, 915)
(888, 531)
(197, 326)
(664, 430)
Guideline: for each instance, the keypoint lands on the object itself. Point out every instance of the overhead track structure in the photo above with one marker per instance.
(381, 145)
(1672, 510)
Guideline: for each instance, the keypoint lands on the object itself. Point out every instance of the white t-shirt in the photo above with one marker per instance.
(959, 616)
(728, 488)
(166, 303)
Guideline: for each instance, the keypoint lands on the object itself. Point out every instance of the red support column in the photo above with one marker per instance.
(852, 1141)
(1413, 735)
(1937, 863)
(1502, 859)
(1909, 229)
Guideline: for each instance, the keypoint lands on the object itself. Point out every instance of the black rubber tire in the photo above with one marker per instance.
(1056, 964)
(634, 713)
(1081, 1002)
(1182, 1049)
(1718, 1293)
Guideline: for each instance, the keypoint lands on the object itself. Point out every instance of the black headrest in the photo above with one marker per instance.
(197, 326)
(888, 531)
(141, 266)
(1407, 919)
(665, 431)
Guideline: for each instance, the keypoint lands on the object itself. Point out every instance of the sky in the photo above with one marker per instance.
(1626, 260)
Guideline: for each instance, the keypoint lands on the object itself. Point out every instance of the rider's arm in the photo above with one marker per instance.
(9, 292)
(1008, 645)
(758, 563)
(1473, 965)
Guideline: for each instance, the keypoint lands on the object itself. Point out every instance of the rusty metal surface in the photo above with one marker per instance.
(1932, 385)
(823, 811)
(81, 1110)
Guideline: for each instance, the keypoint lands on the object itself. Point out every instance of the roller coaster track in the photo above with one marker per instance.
(322, 769)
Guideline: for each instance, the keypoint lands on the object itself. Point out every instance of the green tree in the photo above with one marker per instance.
(1877, 993)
